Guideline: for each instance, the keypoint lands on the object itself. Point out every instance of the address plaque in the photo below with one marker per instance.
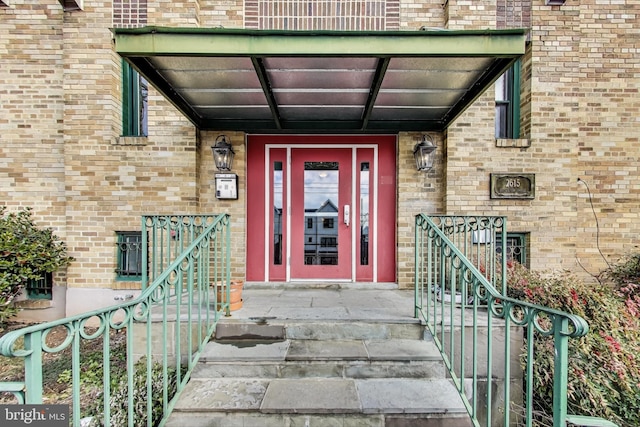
(513, 185)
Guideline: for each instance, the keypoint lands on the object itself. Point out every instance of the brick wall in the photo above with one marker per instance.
(62, 152)
(579, 109)
(607, 81)
(112, 181)
(32, 111)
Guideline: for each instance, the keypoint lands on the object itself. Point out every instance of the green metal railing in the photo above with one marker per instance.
(480, 332)
(165, 328)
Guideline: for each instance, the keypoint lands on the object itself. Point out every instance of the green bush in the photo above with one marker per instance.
(604, 370)
(26, 253)
(119, 403)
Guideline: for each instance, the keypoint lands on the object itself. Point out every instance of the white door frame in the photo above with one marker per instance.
(355, 191)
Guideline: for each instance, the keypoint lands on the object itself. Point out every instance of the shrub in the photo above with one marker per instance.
(604, 373)
(626, 270)
(26, 253)
(119, 399)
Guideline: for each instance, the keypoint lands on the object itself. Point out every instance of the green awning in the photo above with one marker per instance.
(319, 81)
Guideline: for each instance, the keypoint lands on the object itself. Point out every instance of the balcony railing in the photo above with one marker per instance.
(487, 340)
(165, 328)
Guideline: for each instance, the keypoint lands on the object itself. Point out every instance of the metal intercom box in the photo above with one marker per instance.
(227, 186)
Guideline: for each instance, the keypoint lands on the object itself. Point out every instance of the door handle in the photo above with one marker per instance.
(347, 215)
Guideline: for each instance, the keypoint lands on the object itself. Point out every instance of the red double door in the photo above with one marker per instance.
(321, 208)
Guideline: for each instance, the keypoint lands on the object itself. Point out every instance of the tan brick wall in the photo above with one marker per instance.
(418, 192)
(174, 13)
(608, 142)
(110, 182)
(61, 122)
(31, 111)
(579, 109)
(419, 13)
(208, 203)
(224, 13)
(470, 14)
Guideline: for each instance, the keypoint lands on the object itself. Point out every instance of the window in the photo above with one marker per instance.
(309, 222)
(135, 95)
(508, 103)
(516, 247)
(328, 242)
(42, 288)
(327, 222)
(129, 255)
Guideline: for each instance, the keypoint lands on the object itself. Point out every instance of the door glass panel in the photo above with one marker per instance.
(277, 213)
(364, 213)
(321, 213)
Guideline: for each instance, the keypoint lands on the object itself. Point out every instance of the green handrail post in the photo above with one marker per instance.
(228, 273)
(33, 368)
(417, 253)
(560, 375)
(145, 254)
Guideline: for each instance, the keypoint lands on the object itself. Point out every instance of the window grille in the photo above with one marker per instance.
(129, 255)
(516, 247)
(41, 288)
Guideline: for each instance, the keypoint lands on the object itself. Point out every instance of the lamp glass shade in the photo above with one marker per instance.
(223, 154)
(424, 153)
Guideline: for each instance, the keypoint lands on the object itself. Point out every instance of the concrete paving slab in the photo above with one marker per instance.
(238, 394)
(330, 301)
(319, 313)
(313, 395)
(407, 396)
(322, 330)
(234, 351)
(399, 349)
(327, 350)
(248, 369)
(424, 369)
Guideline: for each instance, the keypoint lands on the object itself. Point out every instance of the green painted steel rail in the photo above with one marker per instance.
(165, 328)
(480, 332)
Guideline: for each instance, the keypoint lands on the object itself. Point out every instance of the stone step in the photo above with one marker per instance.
(319, 372)
(396, 358)
(275, 329)
(288, 402)
(230, 419)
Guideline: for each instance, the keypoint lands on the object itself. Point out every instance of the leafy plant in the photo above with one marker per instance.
(119, 403)
(26, 253)
(604, 372)
(626, 270)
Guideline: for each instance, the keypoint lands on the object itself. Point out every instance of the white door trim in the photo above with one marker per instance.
(268, 178)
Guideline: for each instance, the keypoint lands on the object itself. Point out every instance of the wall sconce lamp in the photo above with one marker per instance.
(554, 2)
(223, 153)
(424, 152)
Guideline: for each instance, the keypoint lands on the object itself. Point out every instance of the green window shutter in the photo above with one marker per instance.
(515, 102)
(508, 103)
(134, 102)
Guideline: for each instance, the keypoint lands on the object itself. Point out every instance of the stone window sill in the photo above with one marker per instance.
(131, 140)
(517, 143)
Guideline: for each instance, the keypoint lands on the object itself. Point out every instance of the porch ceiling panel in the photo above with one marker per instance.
(299, 81)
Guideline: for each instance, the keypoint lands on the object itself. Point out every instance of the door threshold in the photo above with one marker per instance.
(321, 284)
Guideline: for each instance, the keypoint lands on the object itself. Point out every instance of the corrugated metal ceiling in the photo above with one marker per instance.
(285, 81)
